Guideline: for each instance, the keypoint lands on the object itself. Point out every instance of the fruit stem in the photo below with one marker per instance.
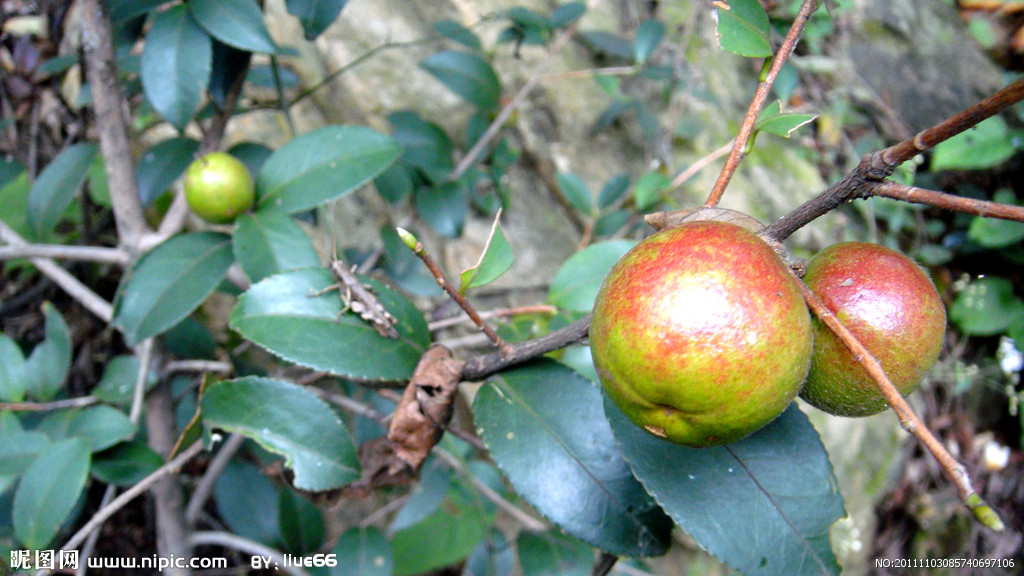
(417, 247)
(908, 419)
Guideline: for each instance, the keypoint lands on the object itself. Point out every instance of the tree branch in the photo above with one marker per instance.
(984, 208)
(61, 252)
(483, 366)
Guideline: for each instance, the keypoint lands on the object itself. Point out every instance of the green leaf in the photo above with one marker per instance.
(424, 145)
(99, 187)
(102, 426)
(321, 166)
(576, 192)
(48, 492)
(613, 189)
(302, 526)
(447, 536)
(553, 554)
(362, 552)
(161, 165)
(986, 307)
(456, 32)
(764, 505)
(425, 496)
(248, 502)
(650, 189)
(545, 429)
(267, 244)
(117, 384)
(296, 425)
(394, 184)
(283, 314)
(576, 283)
(774, 121)
(48, 364)
(996, 232)
(648, 35)
(567, 13)
(495, 260)
(237, 23)
(175, 65)
(315, 15)
(12, 371)
(125, 464)
(444, 207)
(18, 450)
(493, 556)
(988, 144)
(14, 201)
(468, 75)
(56, 186)
(743, 28)
(170, 282)
(122, 10)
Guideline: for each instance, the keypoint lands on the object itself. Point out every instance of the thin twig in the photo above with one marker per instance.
(200, 366)
(700, 164)
(145, 353)
(739, 145)
(908, 419)
(483, 366)
(497, 313)
(889, 189)
(205, 485)
(235, 542)
(61, 252)
(79, 402)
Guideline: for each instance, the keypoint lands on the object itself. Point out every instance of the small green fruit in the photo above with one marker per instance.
(218, 187)
(700, 335)
(889, 303)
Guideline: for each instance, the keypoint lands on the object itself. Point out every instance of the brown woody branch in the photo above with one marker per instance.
(913, 194)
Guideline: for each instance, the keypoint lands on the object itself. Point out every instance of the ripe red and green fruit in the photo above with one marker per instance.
(218, 187)
(890, 304)
(700, 334)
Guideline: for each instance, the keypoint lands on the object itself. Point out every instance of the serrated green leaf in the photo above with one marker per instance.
(175, 64)
(161, 165)
(553, 554)
(988, 144)
(576, 192)
(237, 23)
(468, 75)
(743, 28)
(301, 525)
(764, 505)
(248, 502)
(774, 121)
(648, 35)
(986, 307)
(315, 15)
(283, 314)
(362, 552)
(544, 426)
(125, 464)
(47, 493)
(170, 282)
(576, 283)
(47, 366)
(56, 186)
(494, 261)
(296, 425)
(267, 244)
(102, 426)
(12, 366)
(321, 166)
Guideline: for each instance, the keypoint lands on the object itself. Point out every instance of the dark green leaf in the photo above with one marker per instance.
(743, 28)
(468, 75)
(648, 35)
(315, 15)
(229, 65)
(457, 33)
(48, 491)
(493, 556)
(267, 244)
(296, 425)
(121, 10)
(18, 450)
(495, 260)
(988, 144)
(248, 502)
(302, 526)
(567, 14)
(986, 307)
(175, 65)
(553, 554)
(161, 165)
(764, 505)
(424, 145)
(99, 187)
(48, 364)
(117, 384)
(55, 188)
(774, 121)
(190, 339)
(650, 189)
(615, 187)
(362, 552)
(322, 165)
(14, 202)
(425, 496)
(10, 169)
(576, 283)
(102, 426)
(125, 464)
(251, 154)
(170, 282)
(444, 207)
(12, 371)
(576, 192)
(237, 23)
(394, 184)
(283, 314)
(545, 428)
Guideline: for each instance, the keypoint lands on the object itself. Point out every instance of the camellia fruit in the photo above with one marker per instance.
(218, 187)
(700, 334)
(890, 304)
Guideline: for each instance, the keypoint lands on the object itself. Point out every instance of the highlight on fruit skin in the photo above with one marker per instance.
(891, 305)
(700, 335)
(219, 187)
